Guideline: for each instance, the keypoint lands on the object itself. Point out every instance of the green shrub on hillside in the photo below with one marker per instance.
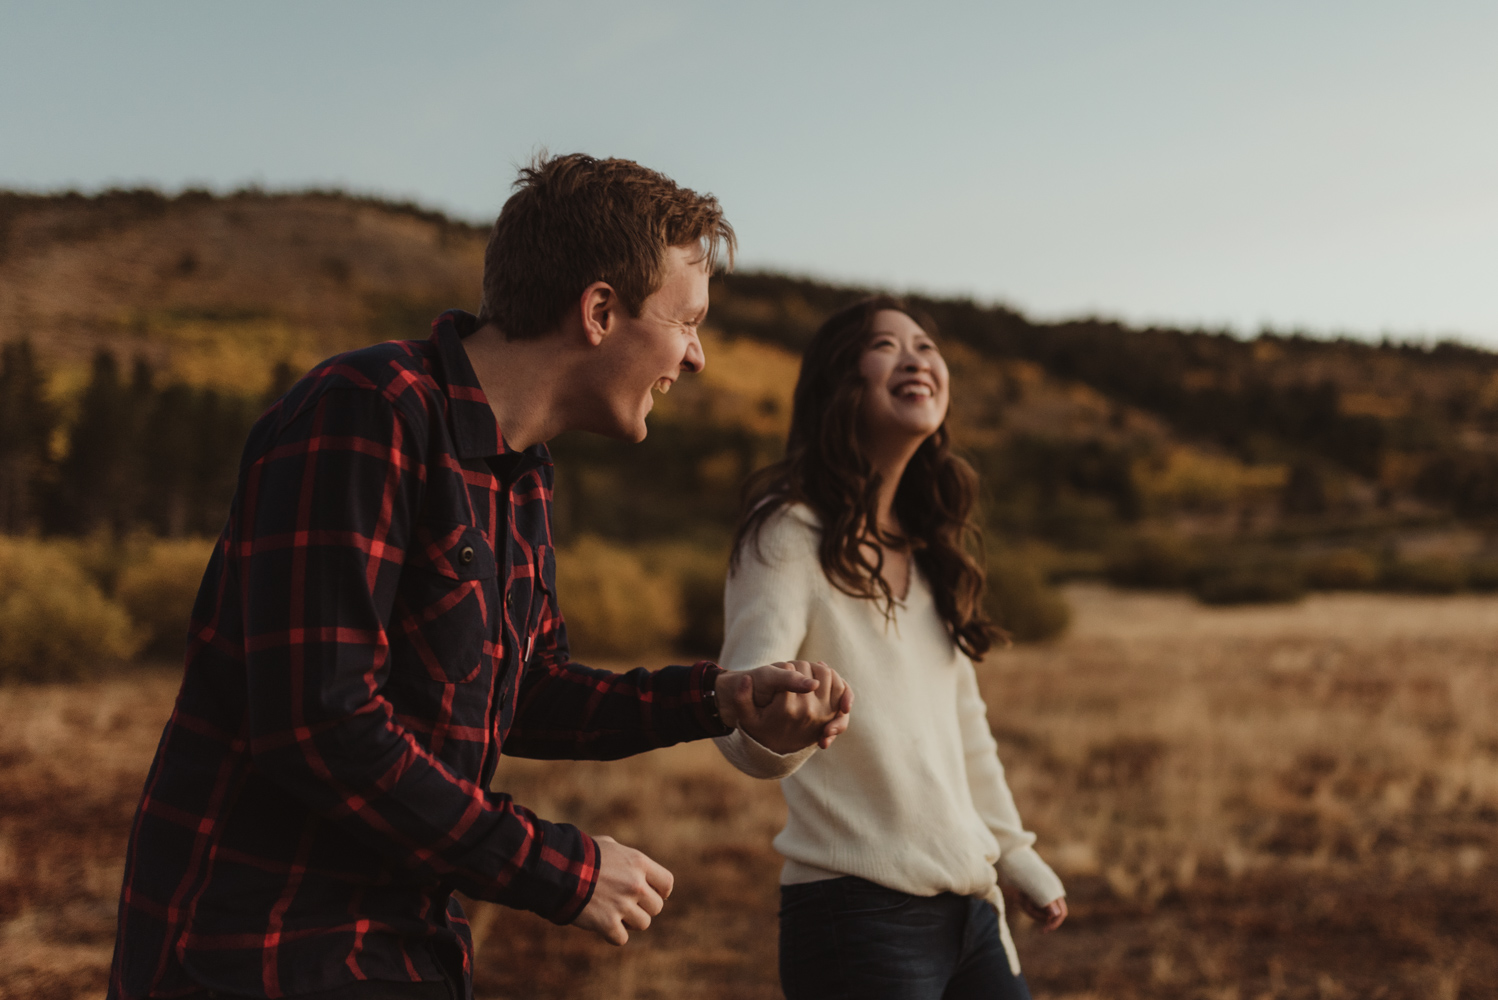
(1153, 561)
(1482, 574)
(698, 573)
(101, 556)
(1340, 569)
(1020, 601)
(614, 605)
(1432, 575)
(1249, 579)
(158, 590)
(55, 623)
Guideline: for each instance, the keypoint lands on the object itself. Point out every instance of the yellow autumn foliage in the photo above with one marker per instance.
(158, 590)
(614, 604)
(55, 622)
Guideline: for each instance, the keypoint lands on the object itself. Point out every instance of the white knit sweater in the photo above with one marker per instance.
(912, 796)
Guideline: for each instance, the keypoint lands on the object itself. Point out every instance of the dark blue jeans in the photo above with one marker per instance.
(850, 938)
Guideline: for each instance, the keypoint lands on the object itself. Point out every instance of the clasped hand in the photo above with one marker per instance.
(786, 706)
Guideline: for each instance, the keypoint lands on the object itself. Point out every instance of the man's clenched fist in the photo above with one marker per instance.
(631, 889)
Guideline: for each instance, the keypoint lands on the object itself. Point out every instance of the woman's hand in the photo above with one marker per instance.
(1049, 916)
(786, 706)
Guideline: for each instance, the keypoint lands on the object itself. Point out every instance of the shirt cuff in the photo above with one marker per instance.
(554, 876)
(587, 882)
(704, 685)
(759, 761)
(1024, 870)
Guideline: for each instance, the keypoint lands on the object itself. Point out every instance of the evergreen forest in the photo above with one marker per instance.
(143, 333)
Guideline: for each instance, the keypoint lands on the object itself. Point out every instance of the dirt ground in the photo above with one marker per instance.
(1278, 802)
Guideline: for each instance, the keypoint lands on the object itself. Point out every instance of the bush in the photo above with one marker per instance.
(158, 589)
(101, 556)
(698, 572)
(1153, 561)
(1482, 574)
(1340, 569)
(1250, 580)
(55, 623)
(1020, 601)
(614, 605)
(1435, 575)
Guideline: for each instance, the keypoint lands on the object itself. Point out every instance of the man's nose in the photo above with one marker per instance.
(694, 360)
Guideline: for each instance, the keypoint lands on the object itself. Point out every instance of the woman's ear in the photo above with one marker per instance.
(598, 306)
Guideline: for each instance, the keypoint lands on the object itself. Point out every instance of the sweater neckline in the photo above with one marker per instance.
(916, 580)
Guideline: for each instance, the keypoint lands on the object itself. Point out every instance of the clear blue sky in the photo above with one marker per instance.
(1331, 166)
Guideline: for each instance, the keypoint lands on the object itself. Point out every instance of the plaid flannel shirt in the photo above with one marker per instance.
(378, 619)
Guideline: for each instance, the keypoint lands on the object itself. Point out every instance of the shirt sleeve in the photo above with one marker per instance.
(321, 532)
(570, 711)
(1019, 864)
(766, 606)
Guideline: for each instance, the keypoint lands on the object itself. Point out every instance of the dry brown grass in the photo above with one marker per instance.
(1286, 802)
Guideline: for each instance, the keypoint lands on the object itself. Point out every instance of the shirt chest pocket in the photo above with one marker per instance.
(449, 600)
(530, 594)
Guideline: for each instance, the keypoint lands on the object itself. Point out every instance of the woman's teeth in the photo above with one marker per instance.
(914, 392)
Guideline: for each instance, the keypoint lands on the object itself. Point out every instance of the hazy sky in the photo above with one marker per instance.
(1331, 165)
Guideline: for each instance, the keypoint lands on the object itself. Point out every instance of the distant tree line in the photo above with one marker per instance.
(139, 454)
(143, 453)
(1212, 387)
(139, 451)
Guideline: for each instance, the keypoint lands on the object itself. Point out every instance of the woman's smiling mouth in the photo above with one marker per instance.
(914, 389)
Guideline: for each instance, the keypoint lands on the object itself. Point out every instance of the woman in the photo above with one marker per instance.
(852, 551)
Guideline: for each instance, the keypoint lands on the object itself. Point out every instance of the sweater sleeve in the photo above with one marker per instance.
(1019, 864)
(766, 604)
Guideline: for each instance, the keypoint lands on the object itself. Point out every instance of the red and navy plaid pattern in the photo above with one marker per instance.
(378, 620)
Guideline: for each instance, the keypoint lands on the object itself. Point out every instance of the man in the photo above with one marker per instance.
(379, 620)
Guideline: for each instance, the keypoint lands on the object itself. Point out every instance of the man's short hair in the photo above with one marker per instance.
(574, 220)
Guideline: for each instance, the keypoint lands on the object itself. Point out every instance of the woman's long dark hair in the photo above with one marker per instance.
(825, 468)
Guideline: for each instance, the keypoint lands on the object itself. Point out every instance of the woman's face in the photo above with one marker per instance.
(905, 382)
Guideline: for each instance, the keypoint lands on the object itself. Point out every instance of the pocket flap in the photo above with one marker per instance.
(459, 552)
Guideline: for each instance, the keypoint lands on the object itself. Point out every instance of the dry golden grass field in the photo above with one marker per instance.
(1270, 802)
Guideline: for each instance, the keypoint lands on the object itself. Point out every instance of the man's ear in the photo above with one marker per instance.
(599, 306)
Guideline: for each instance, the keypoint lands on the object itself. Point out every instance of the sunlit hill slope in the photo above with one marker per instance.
(135, 321)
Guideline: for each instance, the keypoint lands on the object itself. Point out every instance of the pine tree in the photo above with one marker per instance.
(134, 488)
(166, 452)
(92, 478)
(27, 420)
(219, 428)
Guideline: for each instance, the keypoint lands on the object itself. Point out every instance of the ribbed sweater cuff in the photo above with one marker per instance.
(759, 761)
(1024, 870)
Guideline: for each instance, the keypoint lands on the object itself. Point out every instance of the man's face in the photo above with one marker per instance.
(651, 351)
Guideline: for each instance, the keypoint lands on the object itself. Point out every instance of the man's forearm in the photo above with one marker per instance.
(371, 778)
(568, 711)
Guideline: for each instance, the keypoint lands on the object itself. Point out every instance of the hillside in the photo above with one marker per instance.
(1088, 432)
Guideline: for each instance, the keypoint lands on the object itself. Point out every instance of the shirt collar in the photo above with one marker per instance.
(470, 418)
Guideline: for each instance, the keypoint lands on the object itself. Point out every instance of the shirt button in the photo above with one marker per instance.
(510, 599)
(466, 555)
